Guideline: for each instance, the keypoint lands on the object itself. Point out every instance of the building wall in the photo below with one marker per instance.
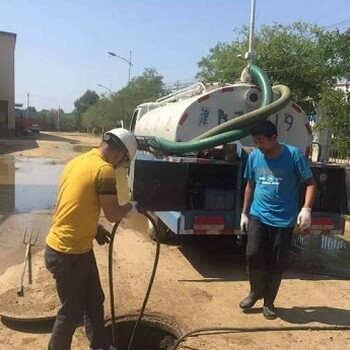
(7, 83)
(7, 186)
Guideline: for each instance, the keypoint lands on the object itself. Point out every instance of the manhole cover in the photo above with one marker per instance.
(152, 333)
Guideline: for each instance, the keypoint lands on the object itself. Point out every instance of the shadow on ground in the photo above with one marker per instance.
(220, 258)
(304, 315)
(216, 258)
(34, 327)
(320, 314)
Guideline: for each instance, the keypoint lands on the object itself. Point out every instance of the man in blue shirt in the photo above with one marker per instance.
(274, 173)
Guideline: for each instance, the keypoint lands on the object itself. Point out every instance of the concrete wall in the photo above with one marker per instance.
(7, 83)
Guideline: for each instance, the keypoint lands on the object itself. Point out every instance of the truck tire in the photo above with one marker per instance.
(165, 234)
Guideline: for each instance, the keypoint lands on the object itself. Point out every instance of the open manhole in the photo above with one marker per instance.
(152, 333)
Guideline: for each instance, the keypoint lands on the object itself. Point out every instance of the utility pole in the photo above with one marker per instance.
(249, 54)
(27, 110)
(58, 119)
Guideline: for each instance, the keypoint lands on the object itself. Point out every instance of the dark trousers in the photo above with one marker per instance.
(80, 291)
(266, 257)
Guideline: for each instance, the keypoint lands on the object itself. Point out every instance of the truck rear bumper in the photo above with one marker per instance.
(326, 223)
(201, 222)
(227, 223)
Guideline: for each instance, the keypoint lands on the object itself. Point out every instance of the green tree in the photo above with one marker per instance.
(83, 103)
(223, 62)
(303, 56)
(335, 104)
(49, 117)
(95, 119)
(109, 111)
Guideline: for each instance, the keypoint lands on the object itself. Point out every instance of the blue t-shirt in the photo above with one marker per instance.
(277, 182)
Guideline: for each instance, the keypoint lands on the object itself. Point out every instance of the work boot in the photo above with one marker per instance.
(269, 312)
(272, 287)
(257, 282)
(249, 301)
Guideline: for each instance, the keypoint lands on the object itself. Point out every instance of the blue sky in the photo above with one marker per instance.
(62, 46)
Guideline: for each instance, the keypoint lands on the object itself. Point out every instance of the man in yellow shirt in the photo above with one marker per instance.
(88, 184)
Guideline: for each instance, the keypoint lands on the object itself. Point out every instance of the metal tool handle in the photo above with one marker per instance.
(20, 289)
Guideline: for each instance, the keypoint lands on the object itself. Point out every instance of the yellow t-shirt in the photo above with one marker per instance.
(78, 207)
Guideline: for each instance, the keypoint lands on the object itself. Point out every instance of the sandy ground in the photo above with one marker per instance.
(199, 282)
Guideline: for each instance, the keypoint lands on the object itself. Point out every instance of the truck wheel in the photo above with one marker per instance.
(164, 233)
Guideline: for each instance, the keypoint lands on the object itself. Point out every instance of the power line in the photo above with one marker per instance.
(46, 98)
(179, 84)
(336, 25)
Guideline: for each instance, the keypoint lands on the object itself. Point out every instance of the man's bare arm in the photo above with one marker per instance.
(112, 210)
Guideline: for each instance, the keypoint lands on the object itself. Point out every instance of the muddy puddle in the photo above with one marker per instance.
(327, 255)
(28, 184)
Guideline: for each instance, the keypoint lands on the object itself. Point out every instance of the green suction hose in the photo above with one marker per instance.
(252, 117)
(176, 148)
(233, 129)
(263, 81)
(223, 133)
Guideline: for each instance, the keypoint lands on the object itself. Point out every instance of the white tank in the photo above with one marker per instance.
(184, 119)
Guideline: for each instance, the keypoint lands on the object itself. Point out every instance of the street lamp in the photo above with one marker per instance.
(105, 87)
(124, 59)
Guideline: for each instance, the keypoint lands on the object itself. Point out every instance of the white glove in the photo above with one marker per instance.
(244, 222)
(304, 219)
(133, 210)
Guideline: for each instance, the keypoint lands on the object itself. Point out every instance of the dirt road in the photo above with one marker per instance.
(199, 281)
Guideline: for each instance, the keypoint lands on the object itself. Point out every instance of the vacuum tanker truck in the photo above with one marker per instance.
(192, 150)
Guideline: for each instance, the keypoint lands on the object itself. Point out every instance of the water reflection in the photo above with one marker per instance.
(326, 243)
(31, 184)
(321, 254)
(323, 242)
(28, 184)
